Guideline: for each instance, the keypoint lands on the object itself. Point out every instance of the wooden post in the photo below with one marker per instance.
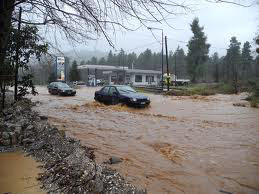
(175, 68)
(17, 55)
(167, 65)
(88, 73)
(162, 60)
(95, 76)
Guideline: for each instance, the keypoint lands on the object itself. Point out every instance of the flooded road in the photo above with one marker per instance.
(177, 145)
(18, 174)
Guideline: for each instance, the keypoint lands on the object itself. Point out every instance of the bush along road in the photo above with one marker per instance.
(68, 167)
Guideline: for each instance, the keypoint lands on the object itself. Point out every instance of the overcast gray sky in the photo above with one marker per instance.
(220, 21)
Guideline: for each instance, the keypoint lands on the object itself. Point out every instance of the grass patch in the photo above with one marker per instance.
(202, 89)
(254, 100)
(141, 90)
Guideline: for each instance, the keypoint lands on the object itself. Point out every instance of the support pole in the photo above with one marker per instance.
(17, 55)
(95, 76)
(88, 73)
(162, 60)
(175, 68)
(167, 66)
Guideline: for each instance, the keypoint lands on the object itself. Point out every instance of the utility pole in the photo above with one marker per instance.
(162, 61)
(175, 68)
(17, 55)
(88, 76)
(95, 76)
(162, 54)
(167, 66)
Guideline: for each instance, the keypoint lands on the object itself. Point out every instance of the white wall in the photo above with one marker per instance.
(132, 78)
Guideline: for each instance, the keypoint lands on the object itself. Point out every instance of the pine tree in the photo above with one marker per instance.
(93, 61)
(122, 58)
(233, 59)
(131, 60)
(198, 51)
(179, 58)
(247, 60)
(102, 61)
(74, 73)
(82, 62)
(110, 59)
(215, 66)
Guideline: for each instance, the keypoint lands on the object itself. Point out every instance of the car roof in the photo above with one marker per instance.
(58, 82)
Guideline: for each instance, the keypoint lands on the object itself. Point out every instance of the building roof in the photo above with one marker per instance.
(116, 68)
(102, 67)
(143, 71)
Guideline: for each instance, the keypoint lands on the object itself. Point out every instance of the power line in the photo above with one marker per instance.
(181, 41)
(155, 37)
(155, 42)
(143, 46)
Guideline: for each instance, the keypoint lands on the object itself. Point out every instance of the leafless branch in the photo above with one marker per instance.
(81, 20)
(243, 3)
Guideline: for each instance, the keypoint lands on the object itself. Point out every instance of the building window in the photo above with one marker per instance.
(149, 78)
(113, 78)
(138, 78)
(127, 78)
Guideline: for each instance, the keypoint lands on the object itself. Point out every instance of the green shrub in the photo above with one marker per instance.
(254, 102)
(203, 89)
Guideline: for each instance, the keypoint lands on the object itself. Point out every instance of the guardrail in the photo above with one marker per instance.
(156, 89)
(153, 89)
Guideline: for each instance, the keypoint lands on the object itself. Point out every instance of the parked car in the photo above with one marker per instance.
(115, 94)
(60, 88)
(100, 82)
(79, 83)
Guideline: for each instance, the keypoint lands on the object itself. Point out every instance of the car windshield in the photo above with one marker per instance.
(126, 89)
(62, 85)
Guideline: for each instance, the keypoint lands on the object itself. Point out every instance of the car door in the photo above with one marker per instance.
(50, 88)
(104, 94)
(113, 97)
(55, 88)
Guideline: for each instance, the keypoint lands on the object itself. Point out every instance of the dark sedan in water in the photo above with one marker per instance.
(115, 94)
(60, 88)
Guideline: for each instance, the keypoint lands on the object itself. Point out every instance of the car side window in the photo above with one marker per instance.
(105, 90)
(112, 90)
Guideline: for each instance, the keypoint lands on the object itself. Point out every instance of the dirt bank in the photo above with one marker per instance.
(67, 166)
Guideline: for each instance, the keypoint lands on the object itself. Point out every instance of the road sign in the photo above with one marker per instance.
(60, 61)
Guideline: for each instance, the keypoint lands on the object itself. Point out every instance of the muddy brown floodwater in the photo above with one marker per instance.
(18, 174)
(178, 145)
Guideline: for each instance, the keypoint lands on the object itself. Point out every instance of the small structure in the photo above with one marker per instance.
(173, 80)
(120, 75)
(143, 77)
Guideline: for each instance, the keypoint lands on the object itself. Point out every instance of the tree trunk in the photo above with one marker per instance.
(3, 95)
(217, 73)
(6, 9)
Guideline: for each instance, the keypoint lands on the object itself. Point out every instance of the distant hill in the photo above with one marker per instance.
(84, 54)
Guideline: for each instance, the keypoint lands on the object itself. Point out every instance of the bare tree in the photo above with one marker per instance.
(81, 20)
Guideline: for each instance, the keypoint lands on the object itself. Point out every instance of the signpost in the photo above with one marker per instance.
(60, 64)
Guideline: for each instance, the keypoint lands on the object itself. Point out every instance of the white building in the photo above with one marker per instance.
(121, 75)
(143, 77)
